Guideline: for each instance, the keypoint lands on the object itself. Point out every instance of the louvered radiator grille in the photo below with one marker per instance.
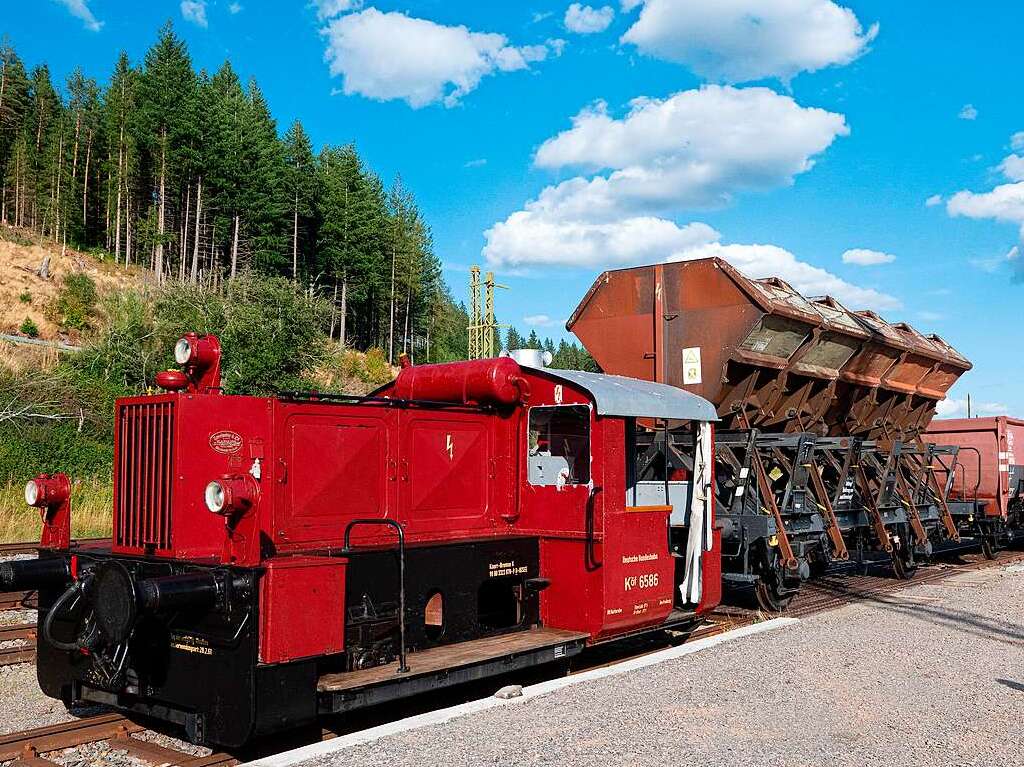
(144, 476)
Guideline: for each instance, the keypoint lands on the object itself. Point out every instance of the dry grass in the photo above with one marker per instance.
(21, 252)
(91, 505)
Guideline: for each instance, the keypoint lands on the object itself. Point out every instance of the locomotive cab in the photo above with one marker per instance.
(274, 559)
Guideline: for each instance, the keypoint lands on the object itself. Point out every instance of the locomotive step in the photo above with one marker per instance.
(448, 665)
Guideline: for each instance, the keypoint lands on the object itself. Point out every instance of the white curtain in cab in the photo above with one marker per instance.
(700, 536)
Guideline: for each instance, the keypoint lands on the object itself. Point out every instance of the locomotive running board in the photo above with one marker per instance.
(446, 666)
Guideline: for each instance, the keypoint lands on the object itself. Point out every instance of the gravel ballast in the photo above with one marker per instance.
(931, 675)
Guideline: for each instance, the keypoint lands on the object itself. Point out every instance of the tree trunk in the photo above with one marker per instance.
(295, 239)
(234, 250)
(57, 216)
(85, 185)
(406, 346)
(158, 260)
(334, 311)
(391, 327)
(344, 308)
(184, 234)
(128, 232)
(195, 238)
(120, 187)
(74, 160)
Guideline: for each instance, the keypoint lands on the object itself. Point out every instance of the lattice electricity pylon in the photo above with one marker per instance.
(474, 314)
(481, 323)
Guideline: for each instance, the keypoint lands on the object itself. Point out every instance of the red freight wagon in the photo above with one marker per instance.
(275, 558)
(990, 472)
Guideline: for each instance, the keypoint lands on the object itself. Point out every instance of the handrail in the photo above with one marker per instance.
(403, 667)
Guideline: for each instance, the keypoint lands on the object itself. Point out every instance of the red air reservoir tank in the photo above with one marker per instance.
(481, 382)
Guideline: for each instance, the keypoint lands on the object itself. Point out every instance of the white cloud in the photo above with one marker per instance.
(387, 56)
(935, 199)
(693, 149)
(476, 163)
(992, 265)
(556, 44)
(1012, 167)
(759, 261)
(1017, 141)
(1004, 203)
(235, 8)
(80, 10)
(586, 20)
(968, 112)
(957, 408)
(867, 257)
(541, 321)
(535, 237)
(744, 40)
(328, 9)
(194, 11)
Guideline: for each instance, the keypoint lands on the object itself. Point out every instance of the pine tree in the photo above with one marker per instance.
(262, 202)
(300, 184)
(14, 103)
(187, 174)
(514, 340)
(167, 92)
(533, 342)
(121, 164)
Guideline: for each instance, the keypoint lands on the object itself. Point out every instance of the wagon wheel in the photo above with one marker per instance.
(769, 593)
(988, 548)
(903, 564)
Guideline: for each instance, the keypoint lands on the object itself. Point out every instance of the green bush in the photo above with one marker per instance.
(75, 306)
(25, 298)
(29, 328)
(271, 332)
(67, 423)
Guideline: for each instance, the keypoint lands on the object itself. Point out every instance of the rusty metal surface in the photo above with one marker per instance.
(769, 356)
(17, 600)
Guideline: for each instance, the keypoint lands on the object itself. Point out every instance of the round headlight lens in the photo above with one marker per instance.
(182, 351)
(31, 493)
(215, 497)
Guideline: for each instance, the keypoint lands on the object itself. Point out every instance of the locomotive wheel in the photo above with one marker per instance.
(769, 596)
(988, 548)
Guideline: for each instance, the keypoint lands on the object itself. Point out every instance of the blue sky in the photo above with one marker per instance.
(549, 141)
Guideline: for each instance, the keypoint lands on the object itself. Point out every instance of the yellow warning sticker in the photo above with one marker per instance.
(691, 366)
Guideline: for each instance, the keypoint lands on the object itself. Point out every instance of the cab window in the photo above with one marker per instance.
(559, 445)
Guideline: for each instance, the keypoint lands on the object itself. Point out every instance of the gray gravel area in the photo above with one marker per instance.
(933, 675)
(22, 705)
(17, 617)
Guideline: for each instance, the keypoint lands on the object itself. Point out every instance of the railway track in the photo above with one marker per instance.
(832, 591)
(29, 547)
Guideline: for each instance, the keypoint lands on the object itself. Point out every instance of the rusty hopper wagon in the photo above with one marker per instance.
(990, 484)
(822, 408)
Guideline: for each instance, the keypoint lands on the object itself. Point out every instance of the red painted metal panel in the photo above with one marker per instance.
(333, 467)
(999, 440)
(302, 608)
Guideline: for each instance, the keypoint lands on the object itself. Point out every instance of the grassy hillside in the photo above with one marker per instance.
(56, 409)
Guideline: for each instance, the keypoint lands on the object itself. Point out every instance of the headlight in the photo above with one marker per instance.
(215, 497)
(31, 493)
(182, 351)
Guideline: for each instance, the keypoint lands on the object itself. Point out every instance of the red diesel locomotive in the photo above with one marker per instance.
(274, 559)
